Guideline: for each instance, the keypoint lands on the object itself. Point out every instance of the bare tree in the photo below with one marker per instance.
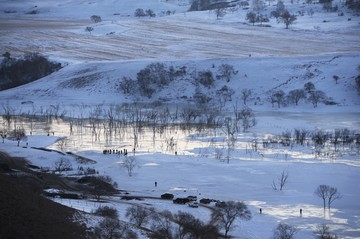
(248, 118)
(296, 95)
(8, 113)
(226, 71)
(284, 231)
(251, 17)
(191, 227)
(245, 94)
(130, 163)
(277, 97)
(287, 18)
(282, 180)
(110, 228)
(138, 215)
(333, 195)
(162, 225)
(89, 29)
(18, 134)
(327, 194)
(127, 85)
(316, 96)
(322, 191)
(228, 212)
(63, 164)
(3, 134)
(95, 18)
(309, 87)
(323, 232)
(220, 12)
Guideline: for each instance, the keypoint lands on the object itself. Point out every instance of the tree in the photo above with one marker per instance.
(248, 118)
(228, 212)
(262, 18)
(162, 225)
(309, 87)
(139, 12)
(226, 71)
(333, 195)
(127, 85)
(282, 180)
(206, 78)
(110, 228)
(327, 194)
(245, 94)
(63, 164)
(138, 215)
(323, 232)
(18, 134)
(107, 211)
(191, 227)
(220, 12)
(224, 95)
(278, 97)
(3, 134)
(295, 96)
(89, 29)
(287, 18)
(95, 18)
(336, 79)
(251, 17)
(150, 13)
(129, 163)
(284, 231)
(316, 96)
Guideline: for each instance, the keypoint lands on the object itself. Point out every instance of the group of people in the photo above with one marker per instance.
(115, 151)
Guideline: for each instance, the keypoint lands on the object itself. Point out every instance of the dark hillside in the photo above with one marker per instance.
(16, 72)
(27, 214)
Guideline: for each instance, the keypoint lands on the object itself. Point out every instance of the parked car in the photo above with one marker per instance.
(167, 196)
(205, 201)
(193, 204)
(192, 198)
(181, 200)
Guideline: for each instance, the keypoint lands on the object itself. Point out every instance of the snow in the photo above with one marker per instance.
(122, 44)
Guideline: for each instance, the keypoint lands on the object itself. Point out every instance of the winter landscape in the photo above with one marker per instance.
(248, 109)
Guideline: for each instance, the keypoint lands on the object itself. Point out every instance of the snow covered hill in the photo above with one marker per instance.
(322, 48)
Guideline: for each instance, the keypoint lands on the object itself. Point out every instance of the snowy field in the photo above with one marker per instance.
(323, 44)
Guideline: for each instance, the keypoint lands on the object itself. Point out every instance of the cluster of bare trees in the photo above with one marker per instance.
(308, 93)
(280, 13)
(325, 143)
(328, 194)
(184, 225)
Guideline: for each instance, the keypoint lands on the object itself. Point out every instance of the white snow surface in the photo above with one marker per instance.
(281, 58)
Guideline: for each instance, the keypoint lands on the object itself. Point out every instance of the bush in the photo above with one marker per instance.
(206, 78)
(106, 211)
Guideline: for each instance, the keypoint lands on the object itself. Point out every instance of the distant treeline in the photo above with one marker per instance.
(32, 66)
